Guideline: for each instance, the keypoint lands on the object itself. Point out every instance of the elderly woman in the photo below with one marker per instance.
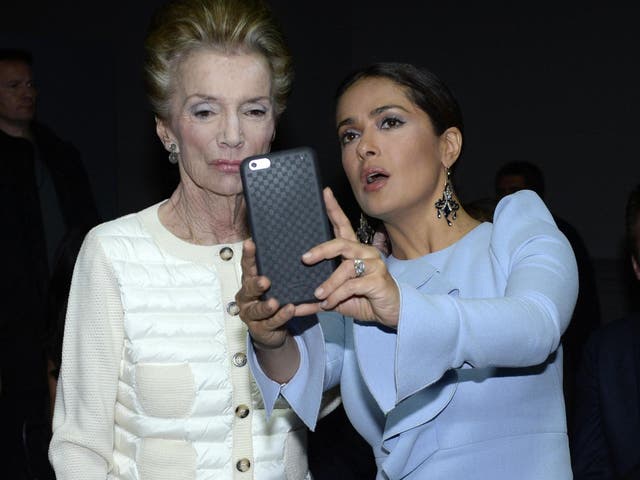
(448, 349)
(154, 382)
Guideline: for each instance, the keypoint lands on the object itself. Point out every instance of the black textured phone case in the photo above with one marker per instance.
(287, 217)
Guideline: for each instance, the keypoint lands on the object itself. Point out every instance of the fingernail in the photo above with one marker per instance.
(319, 291)
(306, 255)
(323, 304)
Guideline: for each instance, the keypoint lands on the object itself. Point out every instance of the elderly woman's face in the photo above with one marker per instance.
(221, 112)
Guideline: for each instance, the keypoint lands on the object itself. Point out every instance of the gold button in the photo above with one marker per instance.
(226, 253)
(242, 411)
(239, 359)
(233, 308)
(243, 465)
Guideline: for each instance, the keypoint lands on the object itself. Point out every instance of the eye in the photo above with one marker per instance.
(203, 114)
(391, 122)
(255, 110)
(347, 136)
(203, 111)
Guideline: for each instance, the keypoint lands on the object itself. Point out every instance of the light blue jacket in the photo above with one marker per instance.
(469, 387)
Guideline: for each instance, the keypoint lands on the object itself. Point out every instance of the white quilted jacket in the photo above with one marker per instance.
(186, 406)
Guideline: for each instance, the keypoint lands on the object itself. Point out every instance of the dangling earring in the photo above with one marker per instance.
(173, 155)
(447, 205)
(365, 231)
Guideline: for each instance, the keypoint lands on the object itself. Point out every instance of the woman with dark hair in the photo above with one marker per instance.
(447, 350)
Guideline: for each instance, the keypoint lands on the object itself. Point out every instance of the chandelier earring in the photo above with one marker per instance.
(365, 231)
(447, 206)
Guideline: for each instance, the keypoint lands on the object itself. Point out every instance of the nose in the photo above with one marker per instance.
(28, 91)
(366, 147)
(231, 133)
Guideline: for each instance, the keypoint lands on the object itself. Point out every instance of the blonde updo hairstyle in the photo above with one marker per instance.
(182, 27)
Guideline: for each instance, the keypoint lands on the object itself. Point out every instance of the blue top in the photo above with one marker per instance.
(470, 385)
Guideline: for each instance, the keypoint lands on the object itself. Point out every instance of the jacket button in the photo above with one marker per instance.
(242, 411)
(239, 359)
(226, 253)
(233, 308)
(243, 465)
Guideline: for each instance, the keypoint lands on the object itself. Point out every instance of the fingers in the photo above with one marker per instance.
(345, 244)
(265, 319)
(374, 296)
(339, 247)
(248, 262)
(253, 286)
(305, 309)
(341, 225)
(262, 317)
(345, 282)
(252, 309)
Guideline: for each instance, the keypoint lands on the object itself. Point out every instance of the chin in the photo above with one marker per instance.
(224, 188)
(373, 210)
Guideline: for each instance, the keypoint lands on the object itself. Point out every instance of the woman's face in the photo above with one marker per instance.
(221, 112)
(390, 152)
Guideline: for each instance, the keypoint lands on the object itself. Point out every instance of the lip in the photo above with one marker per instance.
(227, 166)
(378, 184)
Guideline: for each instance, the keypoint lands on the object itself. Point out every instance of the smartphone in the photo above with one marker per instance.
(287, 216)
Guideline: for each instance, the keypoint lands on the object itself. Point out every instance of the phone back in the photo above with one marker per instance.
(287, 217)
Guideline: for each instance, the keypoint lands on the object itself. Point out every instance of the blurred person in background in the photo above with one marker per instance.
(44, 191)
(606, 443)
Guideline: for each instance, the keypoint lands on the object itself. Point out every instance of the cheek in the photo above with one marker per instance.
(197, 137)
(350, 165)
(259, 135)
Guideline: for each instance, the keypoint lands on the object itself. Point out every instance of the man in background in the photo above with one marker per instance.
(606, 443)
(44, 191)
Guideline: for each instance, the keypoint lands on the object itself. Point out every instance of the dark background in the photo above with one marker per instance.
(555, 84)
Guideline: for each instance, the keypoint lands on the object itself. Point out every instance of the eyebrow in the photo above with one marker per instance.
(203, 96)
(372, 113)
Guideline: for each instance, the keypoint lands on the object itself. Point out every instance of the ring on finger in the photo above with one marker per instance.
(358, 266)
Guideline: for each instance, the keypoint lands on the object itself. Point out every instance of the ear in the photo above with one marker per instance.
(636, 267)
(164, 133)
(450, 146)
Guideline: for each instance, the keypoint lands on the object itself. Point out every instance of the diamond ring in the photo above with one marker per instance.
(358, 266)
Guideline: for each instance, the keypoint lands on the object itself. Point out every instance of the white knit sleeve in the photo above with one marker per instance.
(83, 423)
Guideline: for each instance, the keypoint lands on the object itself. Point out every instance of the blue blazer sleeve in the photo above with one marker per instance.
(520, 327)
(320, 341)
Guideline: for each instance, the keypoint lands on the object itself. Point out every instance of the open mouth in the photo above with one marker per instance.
(375, 176)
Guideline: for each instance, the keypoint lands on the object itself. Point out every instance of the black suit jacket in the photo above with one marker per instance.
(24, 275)
(606, 443)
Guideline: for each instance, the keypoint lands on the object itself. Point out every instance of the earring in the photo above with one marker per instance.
(447, 205)
(173, 155)
(365, 231)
